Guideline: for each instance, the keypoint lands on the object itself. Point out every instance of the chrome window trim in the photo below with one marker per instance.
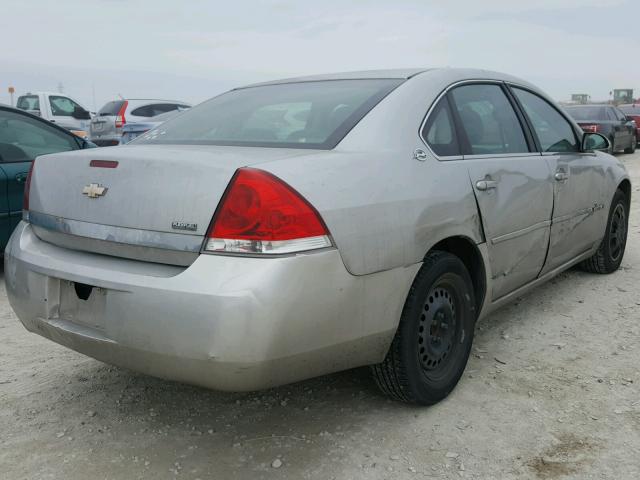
(446, 158)
(501, 155)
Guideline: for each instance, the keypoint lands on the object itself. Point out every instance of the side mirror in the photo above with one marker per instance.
(595, 141)
(80, 113)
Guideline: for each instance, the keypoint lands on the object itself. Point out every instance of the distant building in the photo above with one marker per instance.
(580, 98)
(623, 95)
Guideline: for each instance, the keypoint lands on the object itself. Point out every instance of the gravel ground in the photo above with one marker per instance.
(551, 391)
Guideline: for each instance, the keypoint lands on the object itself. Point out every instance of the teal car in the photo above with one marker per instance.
(23, 137)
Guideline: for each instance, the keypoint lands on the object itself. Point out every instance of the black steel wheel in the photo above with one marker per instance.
(432, 344)
(608, 257)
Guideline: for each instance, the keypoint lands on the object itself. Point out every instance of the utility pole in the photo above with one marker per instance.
(60, 87)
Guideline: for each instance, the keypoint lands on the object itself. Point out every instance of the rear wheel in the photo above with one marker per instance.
(632, 147)
(609, 255)
(431, 347)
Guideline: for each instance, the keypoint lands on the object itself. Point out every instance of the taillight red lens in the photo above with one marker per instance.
(120, 118)
(27, 188)
(259, 213)
(590, 128)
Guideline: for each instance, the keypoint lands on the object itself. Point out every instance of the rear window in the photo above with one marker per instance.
(587, 113)
(28, 102)
(156, 109)
(111, 108)
(295, 115)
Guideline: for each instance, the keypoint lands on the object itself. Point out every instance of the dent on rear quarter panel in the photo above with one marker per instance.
(386, 210)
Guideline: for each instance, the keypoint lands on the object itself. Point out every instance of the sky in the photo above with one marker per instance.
(191, 50)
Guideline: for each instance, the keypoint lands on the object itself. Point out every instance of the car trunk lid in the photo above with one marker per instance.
(149, 202)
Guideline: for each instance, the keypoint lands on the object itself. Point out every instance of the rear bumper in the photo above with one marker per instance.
(101, 142)
(224, 322)
(106, 139)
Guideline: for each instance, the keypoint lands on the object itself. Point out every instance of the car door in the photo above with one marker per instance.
(62, 111)
(511, 183)
(619, 129)
(627, 127)
(23, 138)
(577, 222)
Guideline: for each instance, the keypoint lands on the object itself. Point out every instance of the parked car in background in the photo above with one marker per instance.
(134, 130)
(300, 227)
(106, 127)
(609, 121)
(58, 108)
(23, 137)
(632, 111)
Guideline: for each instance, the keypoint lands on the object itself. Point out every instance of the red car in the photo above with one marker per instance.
(632, 111)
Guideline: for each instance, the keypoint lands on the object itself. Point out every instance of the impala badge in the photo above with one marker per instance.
(94, 190)
(184, 226)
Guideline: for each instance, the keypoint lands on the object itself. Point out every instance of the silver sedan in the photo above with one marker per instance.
(300, 227)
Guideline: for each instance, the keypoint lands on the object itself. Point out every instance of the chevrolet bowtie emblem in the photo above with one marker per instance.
(93, 190)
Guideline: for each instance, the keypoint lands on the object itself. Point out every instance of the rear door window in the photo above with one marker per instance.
(489, 121)
(439, 131)
(28, 102)
(554, 132)
(619, 115)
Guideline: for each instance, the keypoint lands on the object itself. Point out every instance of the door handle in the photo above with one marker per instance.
(484, 185)
(561, 176)
(21, 177)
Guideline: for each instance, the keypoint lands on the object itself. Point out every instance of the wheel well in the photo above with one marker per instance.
(625, 186)
(468, 252)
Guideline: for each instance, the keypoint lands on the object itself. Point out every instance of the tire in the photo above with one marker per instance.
(632, 147)
(612, 149)
(425, 361)
(608, 257)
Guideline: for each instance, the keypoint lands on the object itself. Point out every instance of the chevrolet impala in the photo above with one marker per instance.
(295, 228)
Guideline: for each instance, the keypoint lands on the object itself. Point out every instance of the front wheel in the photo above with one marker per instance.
(608, 257)
(431, 347)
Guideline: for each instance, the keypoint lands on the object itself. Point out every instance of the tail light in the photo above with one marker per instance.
(590, 128)
(120, 118)
(261, 214)
(27, 189)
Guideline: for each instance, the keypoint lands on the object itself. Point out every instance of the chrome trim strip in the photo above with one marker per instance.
(124, 235)
(519, 233)
(578, 213)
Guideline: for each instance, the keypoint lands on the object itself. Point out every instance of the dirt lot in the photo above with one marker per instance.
(551, 391)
